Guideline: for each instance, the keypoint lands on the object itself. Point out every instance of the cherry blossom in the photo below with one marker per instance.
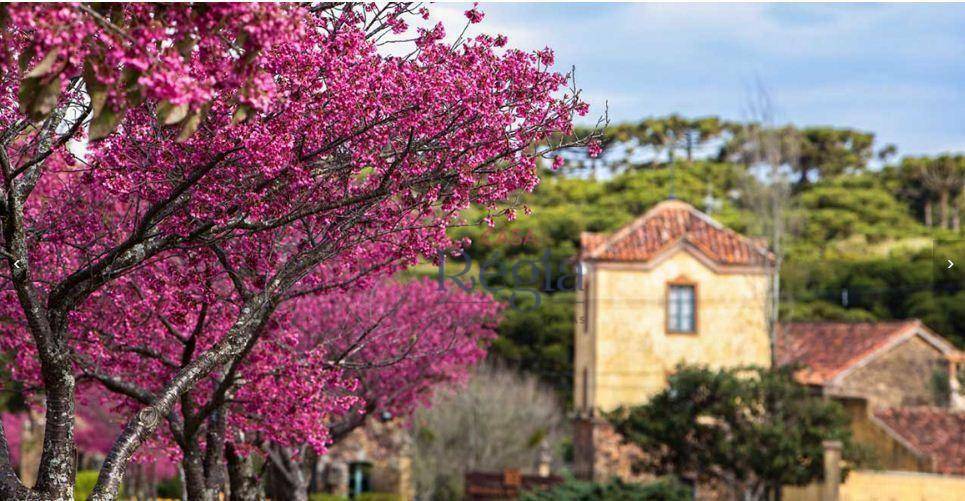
(217, 164)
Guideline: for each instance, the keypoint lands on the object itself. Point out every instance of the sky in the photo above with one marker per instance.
(894, 69)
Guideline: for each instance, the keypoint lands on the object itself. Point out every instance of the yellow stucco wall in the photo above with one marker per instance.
(887, 486)
(889, 453)
(626, 349)
(583, 345)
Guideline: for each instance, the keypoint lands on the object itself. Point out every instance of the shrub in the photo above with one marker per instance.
(614, 490)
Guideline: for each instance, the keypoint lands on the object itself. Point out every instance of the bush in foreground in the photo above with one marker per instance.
(614, 490)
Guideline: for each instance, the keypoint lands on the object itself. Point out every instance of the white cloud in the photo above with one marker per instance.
(892, 69)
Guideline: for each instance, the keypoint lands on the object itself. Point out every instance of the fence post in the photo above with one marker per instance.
(832, 470)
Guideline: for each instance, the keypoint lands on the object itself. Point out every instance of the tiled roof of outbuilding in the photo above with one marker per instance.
(825, 349)
(931, 431)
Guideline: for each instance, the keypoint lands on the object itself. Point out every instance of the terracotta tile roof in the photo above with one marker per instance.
(666, 224)
(825, 349)
(590, 241)
(932, 431)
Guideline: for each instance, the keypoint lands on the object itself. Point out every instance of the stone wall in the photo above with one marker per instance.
(903, 376)
(889, 453)
(600, 454)
(383, 445)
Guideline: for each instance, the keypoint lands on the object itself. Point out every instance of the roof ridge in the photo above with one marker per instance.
(904, 321)
(707, 218)
(921, 407)
(710, 220)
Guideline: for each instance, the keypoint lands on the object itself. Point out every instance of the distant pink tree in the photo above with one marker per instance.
(323, 364)
(95, 431)
(400, 343)
(13, 424)
(250, 155)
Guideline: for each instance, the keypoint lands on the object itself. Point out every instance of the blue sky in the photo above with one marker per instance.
(897, 69)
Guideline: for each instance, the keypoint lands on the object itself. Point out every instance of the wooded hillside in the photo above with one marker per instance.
(863, 234)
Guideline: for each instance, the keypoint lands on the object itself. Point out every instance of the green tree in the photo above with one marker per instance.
(829, 151)
(673, 133)
(939, 180)
(839, 208)
(914, 284)
(540, 341)
(751, 429)
(821, 152)
(662, 137)
(753, 143)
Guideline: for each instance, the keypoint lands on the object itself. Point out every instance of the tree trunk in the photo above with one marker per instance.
(943, 206)
(241, 476)
(194, 479)
(803, 181)
(214, 468)
(204, 469)
(928, 213)
(55, 477)
(287, 480)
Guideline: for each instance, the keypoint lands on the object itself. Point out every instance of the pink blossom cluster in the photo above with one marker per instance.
(400, 340)
(159, 48)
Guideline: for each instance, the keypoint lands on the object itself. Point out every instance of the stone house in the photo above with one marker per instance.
(884, 374)
(677, 286)
(890, 364)
(374, 458)
(674, 285)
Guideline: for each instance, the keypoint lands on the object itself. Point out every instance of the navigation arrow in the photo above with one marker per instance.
(950, 264)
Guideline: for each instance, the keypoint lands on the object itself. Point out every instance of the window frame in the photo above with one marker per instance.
(695, 316)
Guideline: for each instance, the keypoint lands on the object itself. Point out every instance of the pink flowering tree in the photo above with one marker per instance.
(13, 423)
(322, 365)
(277, 147)
(399, 343)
